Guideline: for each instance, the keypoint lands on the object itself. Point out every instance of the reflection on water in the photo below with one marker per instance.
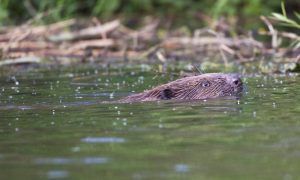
(54, 124)
(103, 140)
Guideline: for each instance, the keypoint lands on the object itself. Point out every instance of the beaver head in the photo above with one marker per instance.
(204, 86)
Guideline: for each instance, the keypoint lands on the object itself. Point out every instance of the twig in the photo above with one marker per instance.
(92, 44)
(20, 61)
(288, 35)
(272, 31)
(86, 33)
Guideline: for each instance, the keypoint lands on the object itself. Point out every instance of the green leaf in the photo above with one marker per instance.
(283, 9)
(285, 21)
(295, 44)
(279, 16)
(297, 15)
(287, 24)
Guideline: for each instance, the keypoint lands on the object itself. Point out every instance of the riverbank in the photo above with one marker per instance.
(91, 41)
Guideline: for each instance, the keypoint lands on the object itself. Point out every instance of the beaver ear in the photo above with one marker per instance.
(167, 93)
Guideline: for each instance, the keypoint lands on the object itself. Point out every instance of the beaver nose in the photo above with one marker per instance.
(235, 80)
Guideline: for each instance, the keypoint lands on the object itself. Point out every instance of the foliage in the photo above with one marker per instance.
(15, 11)
(284, 20)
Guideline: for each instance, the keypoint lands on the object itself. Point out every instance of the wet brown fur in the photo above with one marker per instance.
(210, 85)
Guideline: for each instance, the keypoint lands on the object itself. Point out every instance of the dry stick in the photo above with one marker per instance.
(272, 31)
(223, 48)
(209, 41)
(98, 43)
(61, 53)
(288, 35)
(25, 45)
(21, 37)
(160, 56)
(199, 32)
(47, 53)
(98, 23)
(151, 50)
(51, 28)
(26, 59)
(22, 48)
(86, 33)
(11, 40)
(17, 34)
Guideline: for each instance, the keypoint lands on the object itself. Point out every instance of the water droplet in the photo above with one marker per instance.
(182, 168)
(75, 149)
(111, 95)
(57, 174)
(254, 114)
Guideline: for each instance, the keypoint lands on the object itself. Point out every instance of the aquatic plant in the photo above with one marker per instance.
(284, 20)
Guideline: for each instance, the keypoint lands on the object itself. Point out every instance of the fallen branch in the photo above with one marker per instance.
(272, 31)
(112, 41)
(21, 60)
(92, 44)
(90, 32)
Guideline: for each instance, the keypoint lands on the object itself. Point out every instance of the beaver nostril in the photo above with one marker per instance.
(236, 82)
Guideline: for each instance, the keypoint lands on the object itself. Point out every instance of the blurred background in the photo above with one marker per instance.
(189, 12)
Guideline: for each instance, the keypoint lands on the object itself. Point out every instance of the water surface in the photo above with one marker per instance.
(53, 125)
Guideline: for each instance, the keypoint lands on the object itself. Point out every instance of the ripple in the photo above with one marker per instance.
(64, 161)
(91, 160)
(103, 140)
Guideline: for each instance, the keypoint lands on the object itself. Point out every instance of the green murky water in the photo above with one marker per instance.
(54, 126)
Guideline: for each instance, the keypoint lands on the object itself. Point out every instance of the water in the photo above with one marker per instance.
(53, 125)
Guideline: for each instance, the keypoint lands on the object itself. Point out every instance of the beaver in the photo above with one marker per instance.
(199, 87)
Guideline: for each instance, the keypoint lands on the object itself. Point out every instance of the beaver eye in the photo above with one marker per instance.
(205, 84)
